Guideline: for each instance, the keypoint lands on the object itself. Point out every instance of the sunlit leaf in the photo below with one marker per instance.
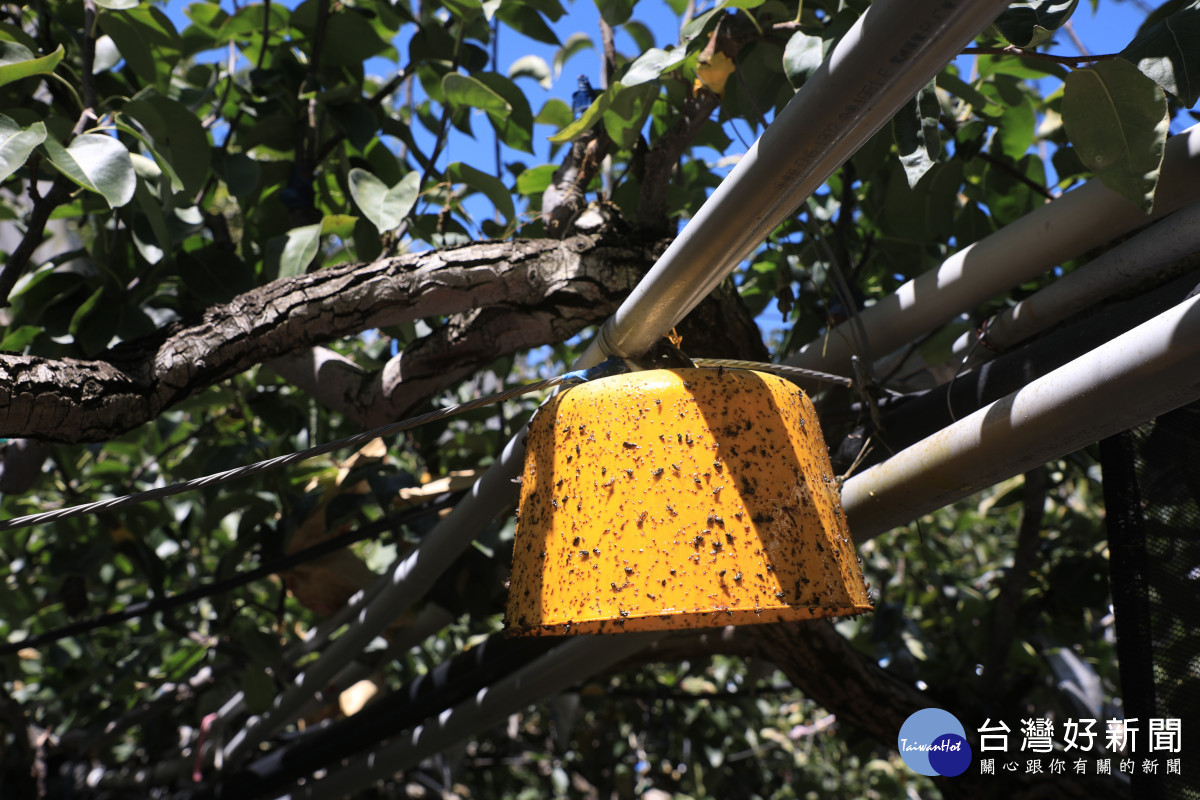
(98, 163)
(531, 67)
(17, 62)
(490, 185)
(16, 143)
(801, 57)
(385, 207)
(1029, 24)
(464, 90)
(915, 128)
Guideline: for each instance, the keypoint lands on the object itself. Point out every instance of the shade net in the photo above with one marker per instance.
(1152, 499)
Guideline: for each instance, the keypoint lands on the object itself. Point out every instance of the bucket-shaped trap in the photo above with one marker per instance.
(679, 499)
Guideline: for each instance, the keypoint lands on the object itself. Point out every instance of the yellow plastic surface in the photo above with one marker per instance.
(679, 499)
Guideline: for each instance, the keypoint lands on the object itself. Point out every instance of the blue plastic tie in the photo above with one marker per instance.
(611, 366)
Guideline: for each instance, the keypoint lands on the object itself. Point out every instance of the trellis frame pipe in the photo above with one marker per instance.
(1150, 370)
(565, 665)
(1133, 260)
(1074, 223)
(893, 50)
(1145, 372)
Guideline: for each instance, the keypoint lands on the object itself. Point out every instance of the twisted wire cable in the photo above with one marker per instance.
(778, 369)
(607, 368)
(279, 461)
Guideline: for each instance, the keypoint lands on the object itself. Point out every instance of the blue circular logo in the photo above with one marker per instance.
(933, 742)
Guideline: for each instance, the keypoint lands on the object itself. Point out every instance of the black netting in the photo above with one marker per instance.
(1152, 497)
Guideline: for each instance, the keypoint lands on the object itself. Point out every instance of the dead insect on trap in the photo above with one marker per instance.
(679, 499)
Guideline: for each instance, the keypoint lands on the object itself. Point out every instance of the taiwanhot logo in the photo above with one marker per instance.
(933, 742)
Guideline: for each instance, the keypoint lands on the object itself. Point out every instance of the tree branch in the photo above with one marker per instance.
(825, 666)
(534, 292)
(1011, 50)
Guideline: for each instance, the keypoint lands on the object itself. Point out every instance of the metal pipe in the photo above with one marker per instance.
(574, 660)
(1079, 220)
(894, 48)
(1148, 371)
(1131, 261)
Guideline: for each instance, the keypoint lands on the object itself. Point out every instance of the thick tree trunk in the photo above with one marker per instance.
(501, 296)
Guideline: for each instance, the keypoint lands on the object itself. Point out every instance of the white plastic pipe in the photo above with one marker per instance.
(896, 47)
(573, 661)
(1131, 261)
(1147, 371)
(1079, 220)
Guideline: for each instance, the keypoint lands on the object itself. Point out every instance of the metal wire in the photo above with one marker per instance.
(778, 369)
(384, 430)
(279, 461)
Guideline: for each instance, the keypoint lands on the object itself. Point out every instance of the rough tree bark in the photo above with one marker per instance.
(502, 296)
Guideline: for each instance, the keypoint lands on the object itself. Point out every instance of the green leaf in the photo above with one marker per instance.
(587, 119)
(84, 309)
(178, 138)
(17, 62)
(17, 339)
(299, 249)
(1016, 126)
(1117, 119)
(385, 207)
(653, 63)
(1166, 52)
(575, 44)
(956, 86)
(1029, 24)
(641, 35)
(464, 90)
(490, 185)
(16, 143)
(339, 225)
(515, 128)
(555, 112)
(915, 128)
(531, 67)
(161, 162)
(118, 5)
(801, 57)
(147, 40)
(98, 163)
(535, 180)
(625, 116)
(525, 20)
(615, 12)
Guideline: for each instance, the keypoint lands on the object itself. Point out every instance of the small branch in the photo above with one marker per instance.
(1016, 173)
(1012, 50)
(1070, 29)
(43, 206)
(610, 55)
(87, 80)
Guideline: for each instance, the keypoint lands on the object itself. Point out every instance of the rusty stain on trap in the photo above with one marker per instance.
(723, 509)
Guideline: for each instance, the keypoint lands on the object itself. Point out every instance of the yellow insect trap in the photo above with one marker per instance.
(679, 499)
